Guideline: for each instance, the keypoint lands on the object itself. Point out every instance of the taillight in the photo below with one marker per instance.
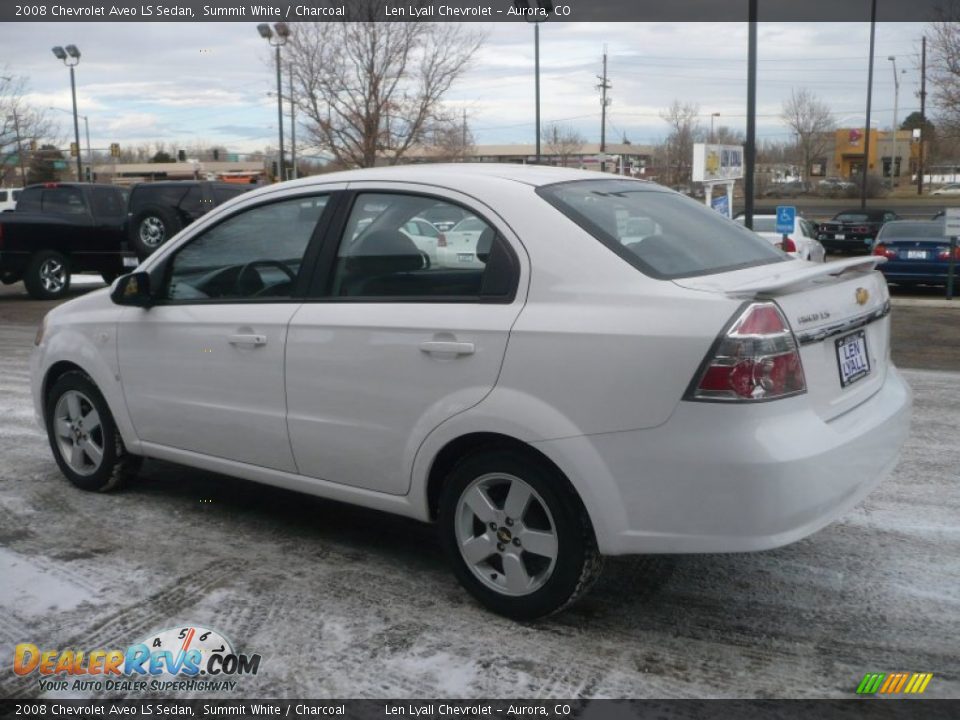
(881, 249)
(441, 240)
(943, 254)
(757, 358)
(788, 245)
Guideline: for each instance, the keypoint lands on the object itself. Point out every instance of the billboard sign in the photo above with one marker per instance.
(717, 163)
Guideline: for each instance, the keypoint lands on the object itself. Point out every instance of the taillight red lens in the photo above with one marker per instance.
(441, 240)
(943, 254)
(886, 252)
(756, 359)
(788, 245)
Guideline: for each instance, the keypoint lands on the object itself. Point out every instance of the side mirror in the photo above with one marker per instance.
(133, 290)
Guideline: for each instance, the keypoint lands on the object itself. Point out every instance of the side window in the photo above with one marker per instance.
(3, 195)
(64, 201)
(108, 203)
(386, 253)
(30, 200)
(254, 254)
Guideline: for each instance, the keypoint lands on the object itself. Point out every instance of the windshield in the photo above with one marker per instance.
(663, 234)
(762, 224)
(852, 217)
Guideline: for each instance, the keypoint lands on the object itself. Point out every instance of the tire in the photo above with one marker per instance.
(9, 277)
(47, 276)
(510, 570)
(93, 457)
(151, 228)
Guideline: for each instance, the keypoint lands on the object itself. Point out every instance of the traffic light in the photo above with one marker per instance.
(216, 154)
(114, 149)
(182, 155)
(74, 150)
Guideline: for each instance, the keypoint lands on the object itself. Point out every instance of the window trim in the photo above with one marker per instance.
(323, 277)
(308, 266)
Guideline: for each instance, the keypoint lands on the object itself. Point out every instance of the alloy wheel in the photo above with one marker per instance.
(53, 275)
(79, 434)
(152, 231)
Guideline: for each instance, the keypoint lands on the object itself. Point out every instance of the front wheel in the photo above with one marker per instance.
(518, 539)
(151, 229)
(84, 437)
(47, 276)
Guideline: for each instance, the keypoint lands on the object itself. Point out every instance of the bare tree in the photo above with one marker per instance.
(22, 127)
(563, 141)
(685, 130)
(453, 143)
(812, 121)
(728, 136)
(371, 89)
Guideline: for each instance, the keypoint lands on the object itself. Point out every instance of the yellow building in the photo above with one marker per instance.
(887, 158)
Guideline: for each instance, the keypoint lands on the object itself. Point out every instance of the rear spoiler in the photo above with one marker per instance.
(784, 280)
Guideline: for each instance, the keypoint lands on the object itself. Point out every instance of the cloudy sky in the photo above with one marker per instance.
(186, 83)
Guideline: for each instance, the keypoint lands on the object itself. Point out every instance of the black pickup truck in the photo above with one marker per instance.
(59, 229)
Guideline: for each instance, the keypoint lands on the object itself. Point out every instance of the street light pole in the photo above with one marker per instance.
(68, 54)
(86, 128)
(282, 31)
(896, 102)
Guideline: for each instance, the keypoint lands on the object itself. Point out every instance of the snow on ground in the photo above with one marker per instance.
(344, 602)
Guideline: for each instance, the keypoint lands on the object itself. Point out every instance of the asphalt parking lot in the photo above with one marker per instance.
(344, 602)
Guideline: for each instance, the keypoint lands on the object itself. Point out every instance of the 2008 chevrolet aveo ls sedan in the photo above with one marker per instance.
(606, 367)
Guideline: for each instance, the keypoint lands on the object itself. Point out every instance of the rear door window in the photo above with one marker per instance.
(663, 234)
(64, 201)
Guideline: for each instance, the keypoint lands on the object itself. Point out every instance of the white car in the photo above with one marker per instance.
(802, 243)
(8, 199)
(458, 246)
(951, 189)
(572, 397)
(424, 235)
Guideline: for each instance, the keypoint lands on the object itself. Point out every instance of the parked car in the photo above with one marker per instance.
(787, 189)
(443, 217)
(458, 246)
(572, 396)
(835, 186)
(59, 229)
(801, 243)
(8, 198)
(853, 231)
(424, 235)
(159, 210)
(949, 189)
(917, 252)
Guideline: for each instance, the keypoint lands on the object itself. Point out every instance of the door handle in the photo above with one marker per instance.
(447, 347)
(255, 340)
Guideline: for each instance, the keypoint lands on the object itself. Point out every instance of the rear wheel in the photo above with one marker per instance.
(47, 276)
(151, 228)
(84, 437)
(518, 539)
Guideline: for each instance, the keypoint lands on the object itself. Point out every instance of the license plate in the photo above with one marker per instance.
(130, 262)
(852, 358)
(465, 257)
(916, 254)
(839, 236)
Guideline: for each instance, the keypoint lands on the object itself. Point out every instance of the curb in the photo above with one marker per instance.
(925, 302)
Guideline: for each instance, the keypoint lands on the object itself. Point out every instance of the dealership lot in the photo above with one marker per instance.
(344, 602)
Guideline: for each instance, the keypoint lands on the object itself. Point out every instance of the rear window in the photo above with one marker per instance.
(762, 224)
(222, 193)
(663, 234)
(913, 230)
(852, 217)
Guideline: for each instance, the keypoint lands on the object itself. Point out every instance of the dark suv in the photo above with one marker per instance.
(159, 210)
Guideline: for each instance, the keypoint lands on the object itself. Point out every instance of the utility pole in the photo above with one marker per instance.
(750, 147)
(603, 87)
(866, 141)
(293, 121)
(923, 113)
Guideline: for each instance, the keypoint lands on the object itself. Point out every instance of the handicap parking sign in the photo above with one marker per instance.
(786, 217)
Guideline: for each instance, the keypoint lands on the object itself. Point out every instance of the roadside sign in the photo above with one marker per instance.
(721, 204)
(951, 222)
(786, 218)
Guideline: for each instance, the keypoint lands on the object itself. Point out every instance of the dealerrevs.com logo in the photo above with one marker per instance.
(179, 659)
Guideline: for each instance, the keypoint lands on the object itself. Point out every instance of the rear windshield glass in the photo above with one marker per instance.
(663, 234)
(913, 230)
(222, 193)
(762, 224)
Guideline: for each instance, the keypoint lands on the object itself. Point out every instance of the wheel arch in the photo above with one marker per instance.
(458, 448)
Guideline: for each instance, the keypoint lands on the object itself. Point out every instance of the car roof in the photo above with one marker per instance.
(457, 174)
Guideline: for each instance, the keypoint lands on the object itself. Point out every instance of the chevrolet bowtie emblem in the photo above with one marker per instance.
(862, 296)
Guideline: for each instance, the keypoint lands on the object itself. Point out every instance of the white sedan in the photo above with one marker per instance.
(802, 243)
(623, 371)
(950, 189)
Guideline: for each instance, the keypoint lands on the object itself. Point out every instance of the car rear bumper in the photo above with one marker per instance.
(722, 478)
(855, 245)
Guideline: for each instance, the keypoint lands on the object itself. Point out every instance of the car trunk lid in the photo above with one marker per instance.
(838, 312)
